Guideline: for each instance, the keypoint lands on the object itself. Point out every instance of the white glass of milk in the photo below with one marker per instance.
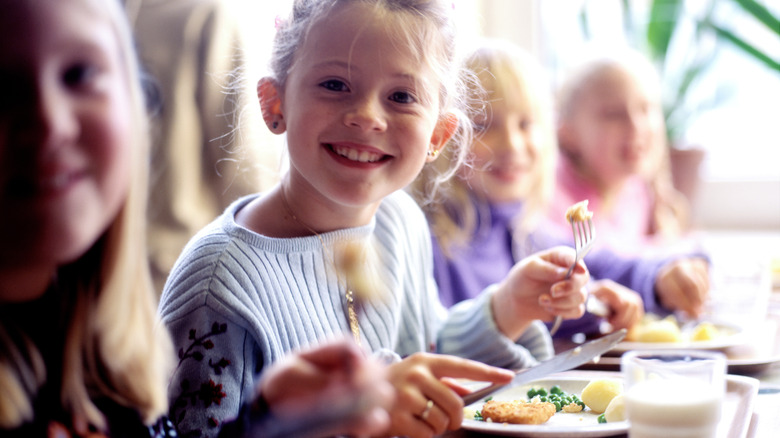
(673, 393)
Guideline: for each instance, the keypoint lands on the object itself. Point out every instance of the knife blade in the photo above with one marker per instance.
(560, 362)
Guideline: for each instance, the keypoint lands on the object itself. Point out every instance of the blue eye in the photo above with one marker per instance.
(402, 97)
(334, 85)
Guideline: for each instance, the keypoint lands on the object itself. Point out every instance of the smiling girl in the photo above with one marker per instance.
(368, 93)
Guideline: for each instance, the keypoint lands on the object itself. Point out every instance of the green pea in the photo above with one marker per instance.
(556, 390)
(602, 419)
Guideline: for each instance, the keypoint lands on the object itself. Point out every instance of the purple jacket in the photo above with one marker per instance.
(493, 252)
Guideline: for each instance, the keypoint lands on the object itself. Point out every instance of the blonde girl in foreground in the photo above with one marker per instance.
(81, 348)
(368, 93)
(82, 352)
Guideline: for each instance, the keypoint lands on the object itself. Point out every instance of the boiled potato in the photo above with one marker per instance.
(664, 330)
(705, 331)
(616, 410)
(598, 393)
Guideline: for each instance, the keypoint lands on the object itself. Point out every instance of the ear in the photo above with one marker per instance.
(269, 96)
(442, 133)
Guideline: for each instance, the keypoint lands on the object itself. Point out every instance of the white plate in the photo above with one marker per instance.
(579, 425)
(741, 392)
(731, 335)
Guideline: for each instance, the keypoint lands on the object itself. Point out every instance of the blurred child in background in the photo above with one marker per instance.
(493, 213)
(613, 145)
(199, 165)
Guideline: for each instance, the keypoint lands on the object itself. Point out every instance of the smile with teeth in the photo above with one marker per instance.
(361, 156)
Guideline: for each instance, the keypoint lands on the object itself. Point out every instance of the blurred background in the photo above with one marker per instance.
(720, 66)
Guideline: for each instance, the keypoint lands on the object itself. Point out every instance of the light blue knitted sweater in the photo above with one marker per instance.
(237, 301)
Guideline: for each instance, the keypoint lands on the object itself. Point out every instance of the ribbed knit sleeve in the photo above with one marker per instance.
(470, 331)
(237, 301)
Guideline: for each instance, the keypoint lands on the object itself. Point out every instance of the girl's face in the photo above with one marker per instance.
(615, 126)
(361, 111)
(505, 152)
(65, 132)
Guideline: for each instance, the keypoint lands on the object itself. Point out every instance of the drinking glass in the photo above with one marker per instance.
(673, 393)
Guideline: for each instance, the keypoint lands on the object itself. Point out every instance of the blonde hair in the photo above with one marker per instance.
(429, 29)
(115, 345)
(670, 208)
(504, 72)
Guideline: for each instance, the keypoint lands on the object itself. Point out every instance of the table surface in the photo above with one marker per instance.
(765, 422)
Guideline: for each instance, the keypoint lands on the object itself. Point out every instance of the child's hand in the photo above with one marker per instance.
(535, 288)
(424, 376)
(625, 305)
(333, 381)
(684, 284)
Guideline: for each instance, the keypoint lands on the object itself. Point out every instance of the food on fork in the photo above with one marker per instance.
(353, 260)
(583, 241)
(579, 212)
(517, 412)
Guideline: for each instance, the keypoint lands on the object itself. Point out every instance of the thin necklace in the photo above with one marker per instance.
(351, 313)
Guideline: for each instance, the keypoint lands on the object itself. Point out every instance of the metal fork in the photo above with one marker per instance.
(584, 235)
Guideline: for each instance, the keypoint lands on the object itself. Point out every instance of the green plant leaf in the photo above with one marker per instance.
(664, 16)
(584, 25)
(744, 45)
(760, 13)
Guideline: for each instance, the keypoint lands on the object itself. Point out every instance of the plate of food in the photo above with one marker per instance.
(667, 333)
(604, 393)
(564, 405)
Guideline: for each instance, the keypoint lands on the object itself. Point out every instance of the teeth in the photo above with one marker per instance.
(355, 155)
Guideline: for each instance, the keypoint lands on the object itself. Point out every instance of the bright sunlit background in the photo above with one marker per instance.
(735, 105)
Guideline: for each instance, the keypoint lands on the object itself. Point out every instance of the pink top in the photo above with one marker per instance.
(623, 227)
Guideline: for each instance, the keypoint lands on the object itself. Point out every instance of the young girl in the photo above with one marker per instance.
(492, 214)
(613, 152)
(81, 347)
(367, 93)
(82, 352)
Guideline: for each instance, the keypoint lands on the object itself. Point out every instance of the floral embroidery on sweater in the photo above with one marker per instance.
(206, 392)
